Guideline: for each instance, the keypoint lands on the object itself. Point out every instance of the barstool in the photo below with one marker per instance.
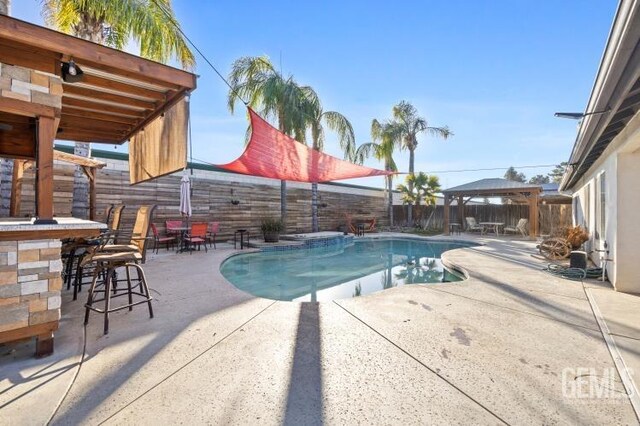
(108, 263)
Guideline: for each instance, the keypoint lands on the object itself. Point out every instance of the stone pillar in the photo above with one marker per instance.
(6, 175)
(30, 290)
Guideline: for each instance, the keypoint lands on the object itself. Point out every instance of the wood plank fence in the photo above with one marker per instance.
(553, 217)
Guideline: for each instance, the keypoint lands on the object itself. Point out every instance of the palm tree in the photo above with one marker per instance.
(420, 187)
(382, 147)
(113, 23)
(317, 119)
(273, 96)
(408, 124)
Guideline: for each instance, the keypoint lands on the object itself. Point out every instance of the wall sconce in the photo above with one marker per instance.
(71, 73)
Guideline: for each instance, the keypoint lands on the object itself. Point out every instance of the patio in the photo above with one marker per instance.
(491, 349)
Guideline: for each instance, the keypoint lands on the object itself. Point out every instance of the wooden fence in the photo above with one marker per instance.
(211, 200)
(553, 217)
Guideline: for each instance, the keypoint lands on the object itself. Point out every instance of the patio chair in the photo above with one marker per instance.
(172, 226)
(214, 228)
(521, 227)
(370, 226)
(137, 240)
(107, 259)
(157, 239)
(198, 235)
(472, 225)
(351, 227)
(116, 219)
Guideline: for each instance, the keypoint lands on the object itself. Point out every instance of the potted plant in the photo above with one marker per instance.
(576, 236)
(271, 229)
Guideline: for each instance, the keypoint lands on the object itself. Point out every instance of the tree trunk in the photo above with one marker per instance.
(412, 157)
(390, 200)
(5, 7)
(80, 206)
(283, 205)
(314, 207)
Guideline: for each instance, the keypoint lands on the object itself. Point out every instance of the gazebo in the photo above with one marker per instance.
(495, 187)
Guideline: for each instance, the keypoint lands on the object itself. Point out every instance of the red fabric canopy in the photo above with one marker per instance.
(273, 154)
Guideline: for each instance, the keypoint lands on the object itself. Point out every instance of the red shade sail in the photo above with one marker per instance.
(272, 154)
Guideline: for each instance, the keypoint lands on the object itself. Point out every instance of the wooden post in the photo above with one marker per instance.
(447, 204)
(92, 194)
(461, 211)
(16, 187)
(533, 216)
(44, 169)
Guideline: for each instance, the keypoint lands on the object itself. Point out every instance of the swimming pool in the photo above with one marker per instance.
(338, 272)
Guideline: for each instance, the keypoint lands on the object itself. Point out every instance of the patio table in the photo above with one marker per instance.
(182, 246)
(491, 226)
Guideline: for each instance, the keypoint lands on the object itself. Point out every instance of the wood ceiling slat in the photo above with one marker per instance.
(95, 106)
(68, 122)
(75, 112)
(95, 94)
(105, 83)
(90, 136)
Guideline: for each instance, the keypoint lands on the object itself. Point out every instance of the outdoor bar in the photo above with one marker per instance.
(57, 87)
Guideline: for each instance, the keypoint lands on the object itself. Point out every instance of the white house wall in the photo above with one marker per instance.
(620, 163)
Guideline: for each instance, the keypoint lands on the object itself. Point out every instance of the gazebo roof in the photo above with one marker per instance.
(492, 187)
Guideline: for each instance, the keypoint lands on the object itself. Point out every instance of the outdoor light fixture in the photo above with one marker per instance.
(71, 73)
(579, 115)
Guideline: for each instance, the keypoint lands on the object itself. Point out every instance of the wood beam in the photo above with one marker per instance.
(30, 57)
(44, 168)
(16, 187)
(77, 160)
(15, 106)
(461, 219)
(447, 204)
(91, 174)
(72, 89)
(79, 123)
(83, 50)
(534, 220)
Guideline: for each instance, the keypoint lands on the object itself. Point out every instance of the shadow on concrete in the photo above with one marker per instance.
(304, 400)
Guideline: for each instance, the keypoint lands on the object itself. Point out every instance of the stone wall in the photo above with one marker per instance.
(30, 283)
(30, 86)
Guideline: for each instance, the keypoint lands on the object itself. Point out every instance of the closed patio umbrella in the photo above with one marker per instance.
(185, 196)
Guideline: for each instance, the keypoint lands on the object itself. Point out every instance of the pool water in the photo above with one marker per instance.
(338, 272)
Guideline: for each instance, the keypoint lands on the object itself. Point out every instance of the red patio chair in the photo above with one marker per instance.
(157, 239)
(198, 235)
(214, 228)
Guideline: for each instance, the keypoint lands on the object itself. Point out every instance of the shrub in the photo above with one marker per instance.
(271, 225)
(576, 236)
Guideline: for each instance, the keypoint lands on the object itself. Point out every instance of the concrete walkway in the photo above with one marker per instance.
(509, 345)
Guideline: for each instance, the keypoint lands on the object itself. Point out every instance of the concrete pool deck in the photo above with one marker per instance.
(511, 344)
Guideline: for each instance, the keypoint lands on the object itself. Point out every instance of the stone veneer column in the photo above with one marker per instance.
(30, 283)
(26, 85)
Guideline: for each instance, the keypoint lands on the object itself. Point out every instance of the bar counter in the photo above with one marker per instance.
(30, 277)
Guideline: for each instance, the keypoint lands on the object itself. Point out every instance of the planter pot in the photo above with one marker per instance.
(271, 237)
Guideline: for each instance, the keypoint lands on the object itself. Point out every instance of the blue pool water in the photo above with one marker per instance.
(338, 272)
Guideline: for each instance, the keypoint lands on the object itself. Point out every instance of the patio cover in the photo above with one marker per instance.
(272, 154)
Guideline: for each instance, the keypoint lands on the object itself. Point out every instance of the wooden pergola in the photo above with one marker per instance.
(89, 167)
(494, 188)
(118, 95)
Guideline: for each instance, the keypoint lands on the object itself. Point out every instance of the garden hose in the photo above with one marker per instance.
(576, 274)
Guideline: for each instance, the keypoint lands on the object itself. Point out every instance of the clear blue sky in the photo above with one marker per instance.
(494, 71)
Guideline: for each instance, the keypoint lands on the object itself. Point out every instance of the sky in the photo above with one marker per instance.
(493, 71)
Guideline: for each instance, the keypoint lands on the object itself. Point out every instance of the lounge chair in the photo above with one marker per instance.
(472, 225)
(214, 228)
(521, 227)
(370, 226)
